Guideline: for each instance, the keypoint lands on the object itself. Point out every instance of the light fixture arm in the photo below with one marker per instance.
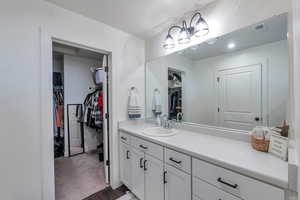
(194, 16)
(187, 31)
(173, 27)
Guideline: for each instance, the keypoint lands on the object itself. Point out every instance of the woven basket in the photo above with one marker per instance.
(260, 144)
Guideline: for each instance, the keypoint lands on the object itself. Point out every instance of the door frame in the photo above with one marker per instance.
(46, 111)
(264, 63)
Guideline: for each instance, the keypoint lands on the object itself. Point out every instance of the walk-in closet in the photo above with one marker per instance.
(79, 123)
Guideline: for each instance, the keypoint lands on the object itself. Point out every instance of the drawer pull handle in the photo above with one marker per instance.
(141, 163)
(123, 138)
(145, 162)
(228, 184)
(127, 155)
(175, 161)
(165, 178)
(143, 147)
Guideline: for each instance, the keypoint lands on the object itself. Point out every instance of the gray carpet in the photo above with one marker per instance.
(78, 177)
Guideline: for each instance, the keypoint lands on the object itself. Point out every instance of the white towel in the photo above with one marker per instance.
(156, 103)
(134, 108)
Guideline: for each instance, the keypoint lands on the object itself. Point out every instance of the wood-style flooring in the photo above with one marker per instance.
(108, 194)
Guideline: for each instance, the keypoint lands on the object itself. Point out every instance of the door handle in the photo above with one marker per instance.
(165, 177)
(127, 155)
(257, 119)
(228, 184)
(145, 162)
(141, 163)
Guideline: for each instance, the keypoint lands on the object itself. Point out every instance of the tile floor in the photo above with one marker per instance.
(78, 177)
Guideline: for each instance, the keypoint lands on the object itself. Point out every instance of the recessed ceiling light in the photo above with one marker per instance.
(231, 45)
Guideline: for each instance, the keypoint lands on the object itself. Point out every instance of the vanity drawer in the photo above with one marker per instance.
(205, 191)
(150, 148)
(178, 160)
(239, 185)
(124, 137)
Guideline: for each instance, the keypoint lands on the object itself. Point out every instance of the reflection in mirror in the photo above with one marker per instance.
(175, 94)
(239, 80)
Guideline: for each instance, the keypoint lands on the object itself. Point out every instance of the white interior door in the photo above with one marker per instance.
(239, 97)
(105, 126)
(154, 183)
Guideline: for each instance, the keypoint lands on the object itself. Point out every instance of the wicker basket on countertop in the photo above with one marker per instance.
(260, 144)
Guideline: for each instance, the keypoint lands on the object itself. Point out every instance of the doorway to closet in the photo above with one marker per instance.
(80, 123)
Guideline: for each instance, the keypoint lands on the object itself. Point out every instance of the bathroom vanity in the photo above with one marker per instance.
(198, 166)
(217, 91)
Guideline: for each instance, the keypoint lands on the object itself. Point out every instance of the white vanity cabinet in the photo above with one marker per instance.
(177, 184)
(154, 181)
(138, 173)
(154, 172)
(143, 174)
(226, 183)
(125, 164)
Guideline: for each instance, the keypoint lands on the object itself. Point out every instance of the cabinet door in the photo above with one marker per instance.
(137, 175)
(154, 182)
(178, 184)
(125, 164)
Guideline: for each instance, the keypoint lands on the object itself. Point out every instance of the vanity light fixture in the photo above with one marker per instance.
(198, 29)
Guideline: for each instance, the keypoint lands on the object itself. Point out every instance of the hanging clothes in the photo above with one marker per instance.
(93, 109)
(58, 107)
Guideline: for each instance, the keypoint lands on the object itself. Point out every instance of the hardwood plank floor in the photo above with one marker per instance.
(108, 194)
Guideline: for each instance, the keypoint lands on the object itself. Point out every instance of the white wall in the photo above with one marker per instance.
(274, 55)
(77, 81)
(20, 83)
(224, 16)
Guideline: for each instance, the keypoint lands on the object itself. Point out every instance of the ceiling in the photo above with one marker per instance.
(143, 18)
(274, 29)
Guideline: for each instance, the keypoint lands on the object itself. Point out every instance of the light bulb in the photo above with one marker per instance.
(183, 36)
(201, 28)
(169, 42)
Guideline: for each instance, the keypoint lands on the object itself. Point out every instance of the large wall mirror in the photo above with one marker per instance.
(239, 80)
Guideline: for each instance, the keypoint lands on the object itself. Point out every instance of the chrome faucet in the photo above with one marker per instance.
(164, 121)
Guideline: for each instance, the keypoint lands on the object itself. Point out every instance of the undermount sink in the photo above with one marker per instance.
(159, 132)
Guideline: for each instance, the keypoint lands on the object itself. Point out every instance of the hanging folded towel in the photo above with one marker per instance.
(134, 108)
(156, 102)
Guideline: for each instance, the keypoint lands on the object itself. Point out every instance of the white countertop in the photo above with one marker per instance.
(232, 154)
